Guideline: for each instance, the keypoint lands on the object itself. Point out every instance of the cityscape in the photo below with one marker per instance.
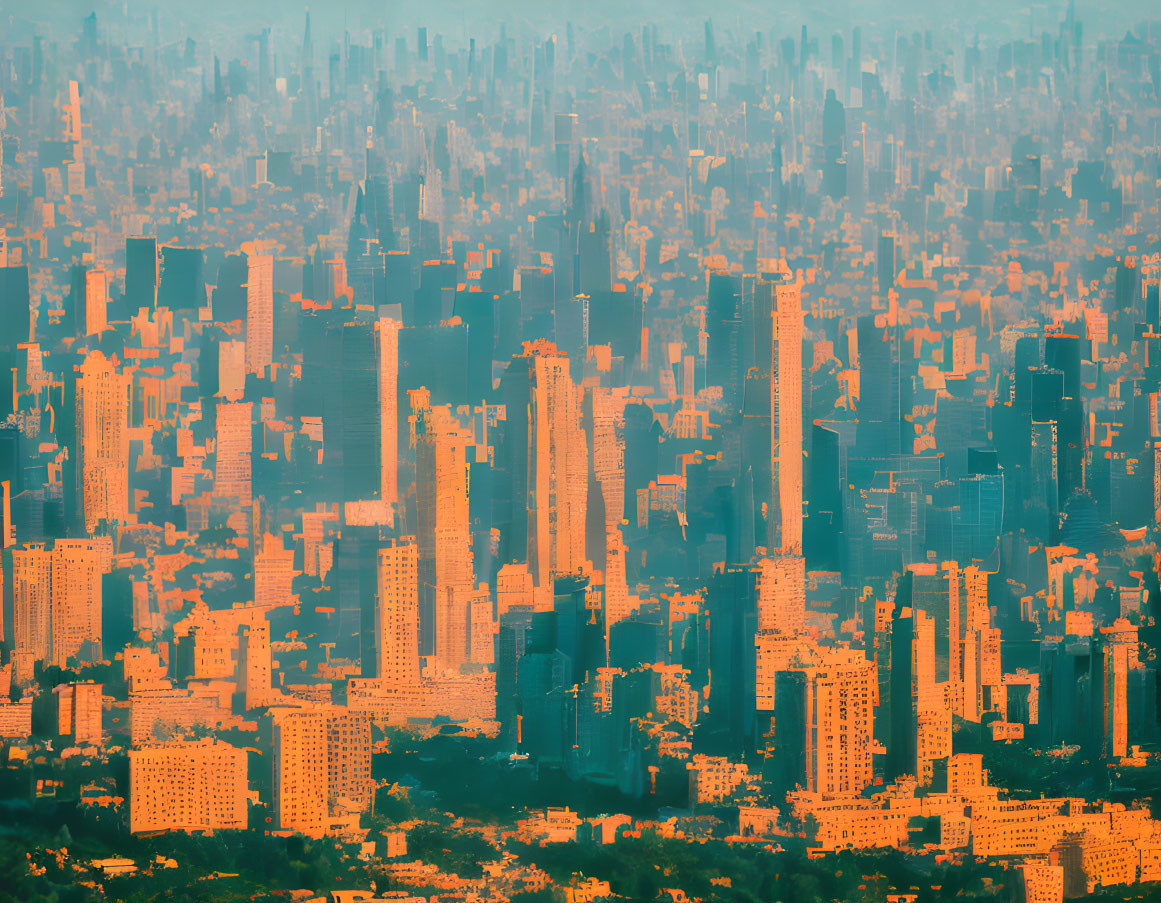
(557, 453)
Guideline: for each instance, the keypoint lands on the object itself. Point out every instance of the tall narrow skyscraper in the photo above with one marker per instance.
(547, 454)
(31, 578)
(786, 418)
(445, 552)
(259, 312)
(300, 771)
(103, 440)
(396, 650)
(233, 446)
(388, 347)
(140, 275)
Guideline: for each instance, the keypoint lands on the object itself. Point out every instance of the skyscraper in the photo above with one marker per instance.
(349, 784)
(259, 312)
(445, 554)
(187, 786)
(79, 712)
(840, 702)
(300, 771)
(233, 447)
(103, 440)
(14, 306)
(78, 566)
(388, 348)
(786, 450)
(140, 275)
(31, 609)
(396, 620)
(782, 594)
(548, 450)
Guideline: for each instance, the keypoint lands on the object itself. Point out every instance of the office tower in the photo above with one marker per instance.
(897, 705)
(957, 600)
(388, 349)
(254, 663)
(273, 571)
(1042, 514)
(352, 405)
(78, 569)
(90, 297)
(786, 757)
(79, 712)
(444, 535)
(72, 135)
(140, 275)
(349, 784)
(604, 421)
(885, 260)
(882, 401)
(187, 786)
(782, 594)
(396, 620)
(915, 705)
(571, 322)
(732, 606)
(481, 627)
(181, 281)
(102, 440)
(834, 166)
(230, 369)
(786, 450)
(15, 310)
(233, 447)
(723, 325)
(3, 126)
(840, 693)
(300, 771)
(259, 312)
(31, 582)
(1115, 654)
(547, 454)
(11, 467)
(979, 648)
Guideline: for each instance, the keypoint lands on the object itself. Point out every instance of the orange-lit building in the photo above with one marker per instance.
(190, 786)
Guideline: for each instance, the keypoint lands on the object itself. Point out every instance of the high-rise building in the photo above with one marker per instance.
(388, 348)
(397, 615)
(259, 312)
(840, 697)
(254, 663)
(732, 606)
(300, 771)
(233, 447)
(349, 784)
(605, 420)
(444, 535)
(1115, 654)
(782, 593)
(140, 274)
(273, 571)
(78, 569)
(103, 440)
(786, 450)
(79, 712)
(187, 786)
(96, 302)
(31, 609)
(882, 400)
(14, 306)
(547, 456)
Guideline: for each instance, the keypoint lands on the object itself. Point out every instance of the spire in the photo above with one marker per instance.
(307, 59)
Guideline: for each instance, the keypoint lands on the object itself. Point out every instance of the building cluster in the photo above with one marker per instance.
(766, 422)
